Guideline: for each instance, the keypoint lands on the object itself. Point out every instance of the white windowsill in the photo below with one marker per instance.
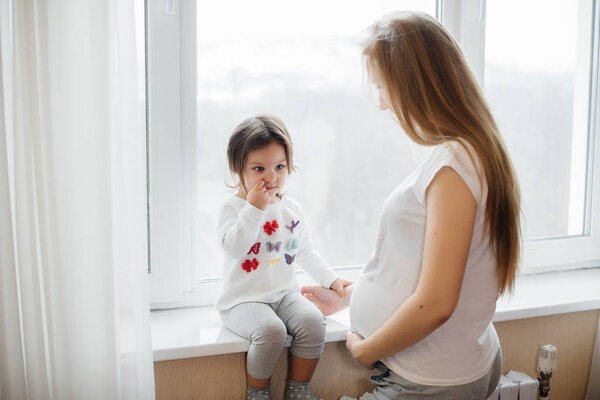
(195, 332)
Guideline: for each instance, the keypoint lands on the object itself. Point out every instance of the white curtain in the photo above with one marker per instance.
(74, 312)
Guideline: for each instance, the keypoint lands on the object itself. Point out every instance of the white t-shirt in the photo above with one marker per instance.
(464, 347)
(261, 250)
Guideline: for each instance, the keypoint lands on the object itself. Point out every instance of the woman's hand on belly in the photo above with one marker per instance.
(354, 344)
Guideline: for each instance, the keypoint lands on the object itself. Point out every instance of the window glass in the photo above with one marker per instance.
(533, 68)
(302, 62)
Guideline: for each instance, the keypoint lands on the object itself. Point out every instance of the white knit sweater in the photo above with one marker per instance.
(262, 248)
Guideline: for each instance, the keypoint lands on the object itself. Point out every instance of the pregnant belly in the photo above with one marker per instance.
(372, 304)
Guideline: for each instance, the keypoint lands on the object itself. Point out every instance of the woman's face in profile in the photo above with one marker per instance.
(384, 103)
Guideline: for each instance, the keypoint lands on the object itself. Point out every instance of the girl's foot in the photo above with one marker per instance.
(258, 394)
(298, 391)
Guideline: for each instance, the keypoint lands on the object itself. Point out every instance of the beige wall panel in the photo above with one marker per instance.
(573, 334)
(223, 377)
(215, 377)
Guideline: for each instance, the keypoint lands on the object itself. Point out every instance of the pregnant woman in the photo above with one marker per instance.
(449, 237)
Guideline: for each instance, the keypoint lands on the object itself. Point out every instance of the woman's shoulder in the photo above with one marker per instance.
(456, 149)
(455, 153)
(462, 158)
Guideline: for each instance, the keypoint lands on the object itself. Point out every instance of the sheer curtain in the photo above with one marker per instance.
(74, 312)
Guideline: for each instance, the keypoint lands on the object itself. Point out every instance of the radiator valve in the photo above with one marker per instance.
(546, 365)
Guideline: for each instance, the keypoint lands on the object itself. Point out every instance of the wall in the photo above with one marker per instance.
(573, 334)
(223, 377)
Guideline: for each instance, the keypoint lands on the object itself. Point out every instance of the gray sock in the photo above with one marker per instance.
(258, 394)
(297, 391)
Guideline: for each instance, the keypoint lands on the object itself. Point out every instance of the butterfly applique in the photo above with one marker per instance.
(292, 244)
(250, 265)
(271, 227)
(273, 246)
(294, 225)
(275, 261)
(289, 259)
(255, 248)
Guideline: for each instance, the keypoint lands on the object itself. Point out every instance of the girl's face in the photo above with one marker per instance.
(268, 165)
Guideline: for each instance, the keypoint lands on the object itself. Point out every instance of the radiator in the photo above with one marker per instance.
(515, 386)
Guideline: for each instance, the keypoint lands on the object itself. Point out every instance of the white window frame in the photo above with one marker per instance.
(171, 99)
(171, 67)
(466, 20)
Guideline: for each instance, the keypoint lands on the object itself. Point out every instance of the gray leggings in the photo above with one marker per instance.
(267, 325)
(391, 386)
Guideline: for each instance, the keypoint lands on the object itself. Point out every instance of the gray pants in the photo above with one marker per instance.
(391, 386)
(267, 325)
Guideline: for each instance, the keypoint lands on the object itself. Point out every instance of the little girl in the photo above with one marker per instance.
(264, 234)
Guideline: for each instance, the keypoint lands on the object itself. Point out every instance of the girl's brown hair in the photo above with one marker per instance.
(256, 133)
(436, 98)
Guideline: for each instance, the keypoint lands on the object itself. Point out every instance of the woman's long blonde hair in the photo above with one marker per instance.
(436, 98)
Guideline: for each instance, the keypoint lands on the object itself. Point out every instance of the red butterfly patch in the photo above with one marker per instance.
(271, 227)
(255, 248)
(250, 265)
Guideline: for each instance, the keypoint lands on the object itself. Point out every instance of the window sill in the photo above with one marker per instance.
(198, 331)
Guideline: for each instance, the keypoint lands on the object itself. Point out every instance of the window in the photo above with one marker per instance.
(304, 66)
(537, 83)
(209, 68)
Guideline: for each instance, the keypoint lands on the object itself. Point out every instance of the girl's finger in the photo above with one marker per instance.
(258, 186)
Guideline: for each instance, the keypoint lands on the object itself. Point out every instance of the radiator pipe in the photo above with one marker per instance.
(546, 365)
(544, 384)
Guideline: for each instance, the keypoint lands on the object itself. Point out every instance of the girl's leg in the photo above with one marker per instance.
(301, 369)
(258, 323)
(257, 383)
(307, 326)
